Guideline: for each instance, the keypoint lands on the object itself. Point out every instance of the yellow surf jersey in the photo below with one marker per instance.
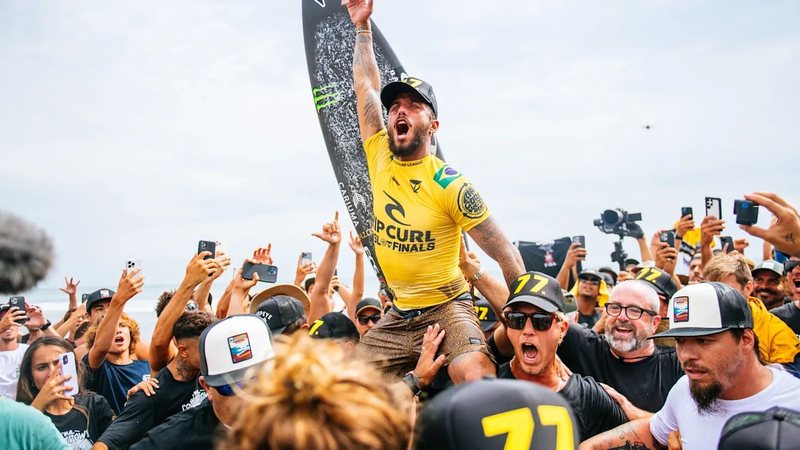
(420, 209)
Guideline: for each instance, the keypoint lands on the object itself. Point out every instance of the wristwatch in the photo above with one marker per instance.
(413, 383)
(45, 326)
(477, 275)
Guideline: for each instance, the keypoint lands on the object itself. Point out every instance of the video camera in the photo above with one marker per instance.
(620, 222)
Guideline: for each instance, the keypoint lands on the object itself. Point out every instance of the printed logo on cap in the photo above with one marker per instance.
(680, 309)
(413, 82)
(104, 293)
(239, 347)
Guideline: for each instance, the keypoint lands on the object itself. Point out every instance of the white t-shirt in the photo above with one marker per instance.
(702, 432)
(9, 370)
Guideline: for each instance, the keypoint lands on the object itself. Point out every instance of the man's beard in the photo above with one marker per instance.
(766, 295)
(706, 397)
(413, 146)
(635, 342)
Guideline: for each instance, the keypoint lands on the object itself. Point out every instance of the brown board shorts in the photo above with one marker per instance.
(395, 342)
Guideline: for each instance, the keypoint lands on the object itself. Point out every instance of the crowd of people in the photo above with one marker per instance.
(445, 356)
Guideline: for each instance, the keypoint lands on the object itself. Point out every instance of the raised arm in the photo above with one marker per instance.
(491, 239)
(493, 290)
(130, 284)
(366, 75)
(198, 270)
(358, 277)
(200, 294)
(575, 253)
(320, 298)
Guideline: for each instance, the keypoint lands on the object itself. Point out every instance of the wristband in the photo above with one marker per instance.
(45, 326)
(477, 275)
(413, 383)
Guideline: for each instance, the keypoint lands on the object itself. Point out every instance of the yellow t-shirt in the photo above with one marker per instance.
(777, 343)
(420, 209)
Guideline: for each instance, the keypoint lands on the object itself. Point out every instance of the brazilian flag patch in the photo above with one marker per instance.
(445, 176)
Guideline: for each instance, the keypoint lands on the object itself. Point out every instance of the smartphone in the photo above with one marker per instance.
(581, 240)
(68, 367)
(668, 237)
(714, 207)
(133, 264)
(266, 273)
(207, 246)
(305, 258)
(84, 297)
(687, 211)
(19, 302)
(726, 240)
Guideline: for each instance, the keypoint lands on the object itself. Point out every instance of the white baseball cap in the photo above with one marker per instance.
(229, 347)
(706, 308)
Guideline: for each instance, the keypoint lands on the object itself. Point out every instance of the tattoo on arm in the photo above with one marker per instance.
(367, 84)
(494, 242)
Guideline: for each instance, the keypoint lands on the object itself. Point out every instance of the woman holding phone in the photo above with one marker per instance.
(81, 418)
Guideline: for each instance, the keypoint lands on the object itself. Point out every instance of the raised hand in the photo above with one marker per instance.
(355, 244)
(262, 255)
(199, 270)
(53, 390)
(331, 233)
(223, 262)
(685, 224)
(130, 284)
(240, 283)
(360, 11)
(710, 227)
(428, 364)
(71, 287)
(784, 231)
(666, 257)
(575, 253)
(9, 319)
(468, 262)
(304, 269)
(37, 318)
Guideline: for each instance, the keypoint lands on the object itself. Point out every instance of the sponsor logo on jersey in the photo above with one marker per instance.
(470, 202)
(445, 176)
(415, 184)
(325, 96)
(395, 207)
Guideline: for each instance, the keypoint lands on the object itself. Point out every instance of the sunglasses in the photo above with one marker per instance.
(363, 320)
(632, 312)
(594, 281)
(541, 321)
(227, 390)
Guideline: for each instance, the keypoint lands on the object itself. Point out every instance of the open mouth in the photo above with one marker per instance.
(401, 128)
(623, 331)
(119, 340)
(529, 352)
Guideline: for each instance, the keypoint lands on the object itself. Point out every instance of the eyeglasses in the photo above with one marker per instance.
(593, 281)
(632, 312)
(363, 320)
(516, 320)
(227, 390)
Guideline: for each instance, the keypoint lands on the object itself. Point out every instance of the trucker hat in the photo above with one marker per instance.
(659, 280)
(538, 289)
(334, 325)
(278, 312)
(98, 296)
(290, 290)
(774, 429)
(231, 346)
(706, 308)
(610, 272)
(460, 417)
(771, 265)
(409, 84)
(485, 314)
(368, 303)
(591, 273)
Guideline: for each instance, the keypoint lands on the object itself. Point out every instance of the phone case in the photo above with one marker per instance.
(68, 367)
(207, 246)
(714, 207)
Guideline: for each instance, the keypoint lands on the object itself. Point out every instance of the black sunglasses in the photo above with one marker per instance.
(594, 281)
(632, 312)
(363, 320)
(516, 320)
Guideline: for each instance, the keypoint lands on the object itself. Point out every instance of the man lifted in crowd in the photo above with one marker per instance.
(624, 350)
(713, 328)
(421, 206)
(536, 325)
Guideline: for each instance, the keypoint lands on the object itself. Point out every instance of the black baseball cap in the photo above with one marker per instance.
(368, 303)
(409, 84)
(454, 419)
(610, 272)
(591, 273)
(706, 308)
(774, 429)
(279, 312)
(538, 289)
(659, 280)
(334, 325)
(485, 314)
(98, 296)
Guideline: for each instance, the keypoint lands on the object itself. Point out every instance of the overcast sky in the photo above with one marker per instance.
(134, 129)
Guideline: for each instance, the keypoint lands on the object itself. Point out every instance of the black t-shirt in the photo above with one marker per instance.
(645, 383)
(194, 428)
(85, 422)
(498, 357)
(588, 321)
(142, 413)
(594, 410)
(113, 381)
(789, 314)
